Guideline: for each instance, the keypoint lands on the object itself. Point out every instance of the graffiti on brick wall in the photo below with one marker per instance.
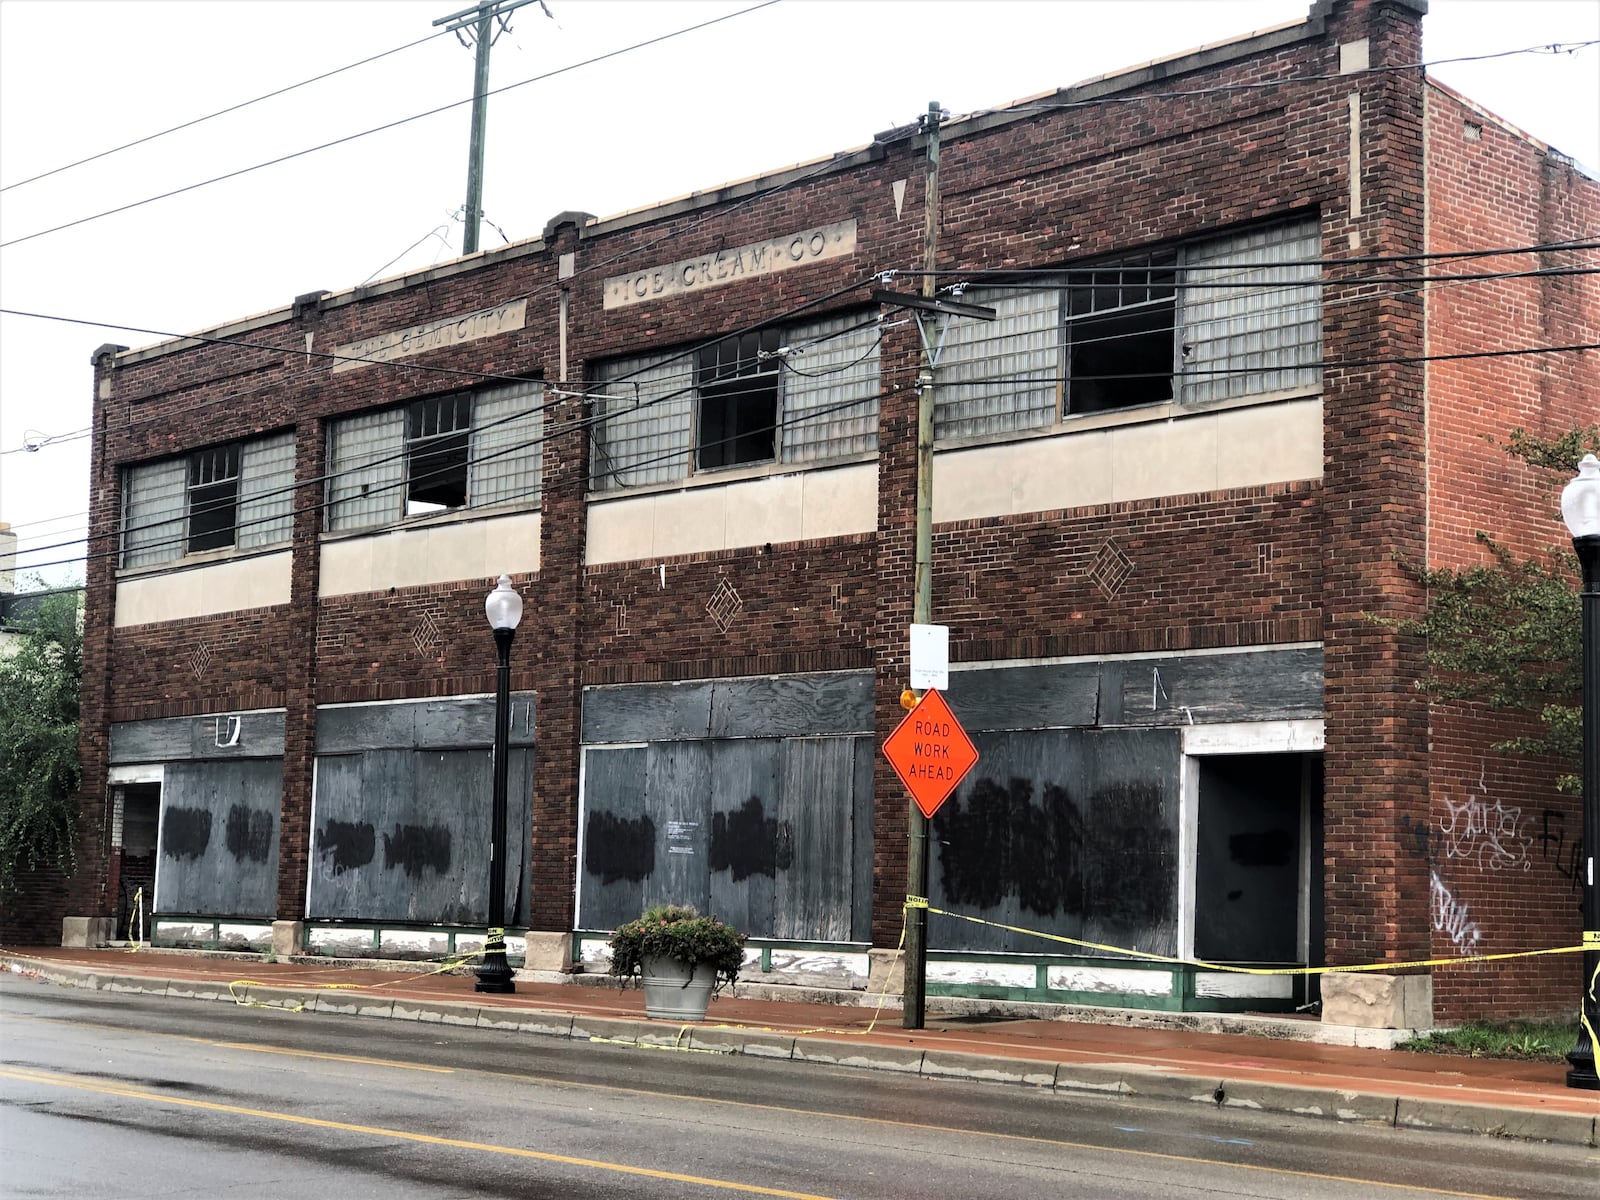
(1491, 833)
(1452, 918)
(1556, 848)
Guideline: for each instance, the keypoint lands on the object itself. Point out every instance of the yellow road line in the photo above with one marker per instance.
(877, 1121)
(54, 1080)
(344, 1058)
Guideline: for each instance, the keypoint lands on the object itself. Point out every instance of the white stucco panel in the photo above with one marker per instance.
(443, 553)
(231, 585)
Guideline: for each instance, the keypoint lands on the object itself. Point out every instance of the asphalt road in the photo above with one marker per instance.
(130, 1096)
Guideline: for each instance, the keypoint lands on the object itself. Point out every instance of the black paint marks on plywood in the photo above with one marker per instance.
(249, 834)
(616, 848)
(347, 844)
(1035, 843)
(186, 832)
(748, 842)
(1001, 841)
(416, 849)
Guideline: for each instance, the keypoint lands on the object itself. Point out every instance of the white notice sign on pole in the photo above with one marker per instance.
(930, 657)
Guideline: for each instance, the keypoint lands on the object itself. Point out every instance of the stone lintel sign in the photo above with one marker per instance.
(721, 267)
(434, 335)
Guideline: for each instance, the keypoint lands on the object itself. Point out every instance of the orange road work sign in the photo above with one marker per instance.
(930, 752)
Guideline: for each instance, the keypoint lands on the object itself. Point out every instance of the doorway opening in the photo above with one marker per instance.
(139, 811)
(1258, 865)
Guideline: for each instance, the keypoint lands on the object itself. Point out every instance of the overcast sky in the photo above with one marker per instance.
(788, 82)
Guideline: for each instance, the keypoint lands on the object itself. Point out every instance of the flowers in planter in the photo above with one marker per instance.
(677, 931)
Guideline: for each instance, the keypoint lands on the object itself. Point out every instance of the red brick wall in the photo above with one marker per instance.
(1499, 838)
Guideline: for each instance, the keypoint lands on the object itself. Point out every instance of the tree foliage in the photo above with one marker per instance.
(39, 769)
(1507, 633)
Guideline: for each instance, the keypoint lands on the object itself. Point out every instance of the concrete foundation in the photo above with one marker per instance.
(888, 973)
(547, 952)
(82, 933)
(1371, 1000)
(288, 938)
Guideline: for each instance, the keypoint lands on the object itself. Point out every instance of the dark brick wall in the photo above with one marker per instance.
(1248, 567)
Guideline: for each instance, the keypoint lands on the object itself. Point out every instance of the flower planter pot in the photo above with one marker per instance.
(674, 991)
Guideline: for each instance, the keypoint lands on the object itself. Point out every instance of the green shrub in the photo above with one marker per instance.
(678, 932)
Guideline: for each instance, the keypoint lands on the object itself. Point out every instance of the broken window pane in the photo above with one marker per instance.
(1119, 334)
(213, 498)
(738, 384)
(436, 453)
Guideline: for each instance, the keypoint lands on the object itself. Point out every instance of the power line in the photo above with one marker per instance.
(221, 112)
(1066, 105)
(283, 158)
(1098, 100)
(590, 422)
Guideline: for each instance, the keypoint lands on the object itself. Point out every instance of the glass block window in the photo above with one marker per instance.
(1002, 375)
(461, 450)
(1249, 311)
(1209, 320)
(153, 502)
(367, 469)
(507, 445)
(644, 422)
(830, 390)
(266, 493)
(240, 494)
(798, 393)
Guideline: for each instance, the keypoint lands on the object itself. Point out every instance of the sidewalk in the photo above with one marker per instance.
(1421, 1091)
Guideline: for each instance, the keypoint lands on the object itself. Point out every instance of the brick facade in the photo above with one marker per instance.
(1293, 562)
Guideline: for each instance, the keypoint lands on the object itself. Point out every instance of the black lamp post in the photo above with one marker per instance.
(504, 609)
(1580, 508)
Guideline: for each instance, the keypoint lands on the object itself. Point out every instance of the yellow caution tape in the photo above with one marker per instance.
(1591, 939)
(916, 902)
(1147, 956)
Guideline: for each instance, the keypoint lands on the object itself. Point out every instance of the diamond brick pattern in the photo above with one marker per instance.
(199, 660)
(1111, 569)
(425, 636)
(724, 605)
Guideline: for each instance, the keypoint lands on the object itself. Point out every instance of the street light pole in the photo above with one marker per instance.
(504, 610)
(1580, 508)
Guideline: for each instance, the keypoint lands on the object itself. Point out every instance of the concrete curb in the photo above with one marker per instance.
(1105, 1079)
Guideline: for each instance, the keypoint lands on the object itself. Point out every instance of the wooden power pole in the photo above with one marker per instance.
(480, 18)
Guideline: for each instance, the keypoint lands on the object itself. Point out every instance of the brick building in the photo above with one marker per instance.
(1177, 477)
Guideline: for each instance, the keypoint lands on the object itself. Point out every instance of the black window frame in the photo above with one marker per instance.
(1120, 331)
(737, 394)
(211, 499)
(438, 447)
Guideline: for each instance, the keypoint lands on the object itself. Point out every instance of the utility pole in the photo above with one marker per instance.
(480, 17)
(914, 1005)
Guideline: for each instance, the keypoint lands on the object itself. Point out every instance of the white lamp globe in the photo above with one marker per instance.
(504, 606)
(1580, 500)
